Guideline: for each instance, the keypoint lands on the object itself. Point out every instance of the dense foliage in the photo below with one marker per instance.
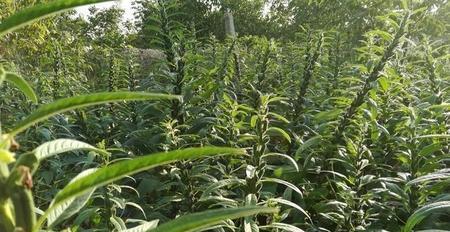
(334, 115)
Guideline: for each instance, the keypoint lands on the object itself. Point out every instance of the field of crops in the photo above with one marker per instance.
(225, 116)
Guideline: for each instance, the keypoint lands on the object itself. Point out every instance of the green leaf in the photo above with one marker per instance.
(283, 227)
(284, 156)
(279, 117)
(31, 14)
(118, 223)
(70, 207)
(430, 149)
(442, 106)
(2, 75)
(433, 230)
(144, 227)
(71, 103)
(276, 99)
(22, 85)
(253, 121)
(437, 136)
(58, 146)
(197, 221)
(308, 143)
(220, 184)
(382, 34)
(283, 182)
(121, 169)
(423, 212)
(384, 84)
(291, 204)
(279, 131)
(439, 175)
(405, 4)
(327, 115)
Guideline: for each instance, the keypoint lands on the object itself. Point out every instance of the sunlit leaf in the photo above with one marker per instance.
(118, 170)
(424, 212)
(196, 221)
(71, 103)
(58, 146)
(22, 85)
(31, 14)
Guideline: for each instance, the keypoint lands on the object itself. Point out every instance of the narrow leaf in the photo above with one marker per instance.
(71, 103)
(283, 227)
(144, 227)
(308, 143)
(423, 212)
(285, 183)
(220, 184)
(290, 159)
(197, 221)
(437, 136)
(70, 207)
(279, 131)
(22, 85)
(121, 169)
(291, 204)
(58, 146)
(439, 175)
(430, 149)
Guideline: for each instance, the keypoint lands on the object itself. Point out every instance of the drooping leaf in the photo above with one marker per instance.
(439, 175)
(70, 207)
(436, 136)
(283, 227)
(144, 227)
(284, 156)
(279, 131)
(22, 85)
(285, 183)
(71, 103)
(327, 115)
(279, 117)
(291, 204)
(430, 149)
(220, 184)
(121, 169)
(58, 146)
(424, 212)
(308, 143)
(442, 106)
(197, 221)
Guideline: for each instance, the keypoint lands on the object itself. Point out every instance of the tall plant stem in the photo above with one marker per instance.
(373, 76)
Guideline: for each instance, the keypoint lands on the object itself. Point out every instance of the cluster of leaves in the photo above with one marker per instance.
(344, 122)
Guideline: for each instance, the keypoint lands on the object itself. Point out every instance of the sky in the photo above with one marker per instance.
(124, 4)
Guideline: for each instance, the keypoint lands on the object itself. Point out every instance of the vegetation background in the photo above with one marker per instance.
(342, 109)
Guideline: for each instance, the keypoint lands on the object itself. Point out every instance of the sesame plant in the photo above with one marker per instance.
(311, 116)
(17, 204)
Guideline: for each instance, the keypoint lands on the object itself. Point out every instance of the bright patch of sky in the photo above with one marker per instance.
(126, 5)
